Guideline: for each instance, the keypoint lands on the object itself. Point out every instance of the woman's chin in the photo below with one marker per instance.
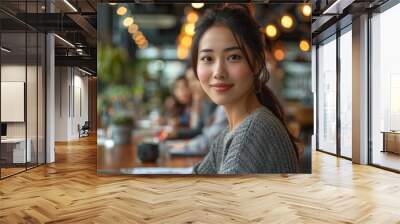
(221, 100)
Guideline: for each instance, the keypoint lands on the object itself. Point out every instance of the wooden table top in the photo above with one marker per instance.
(109, 160)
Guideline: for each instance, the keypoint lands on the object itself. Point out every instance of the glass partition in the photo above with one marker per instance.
(13, 108)
(22, 89)
(346, 94)
(327, 96)
(385, 89)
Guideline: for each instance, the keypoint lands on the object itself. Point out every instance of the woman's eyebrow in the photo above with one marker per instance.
(231, 48)
(226, 49)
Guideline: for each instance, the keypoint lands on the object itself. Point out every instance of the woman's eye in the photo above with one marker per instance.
(234, 57)
(206, 59)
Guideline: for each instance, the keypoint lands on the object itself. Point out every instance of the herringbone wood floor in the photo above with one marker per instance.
(69, 191)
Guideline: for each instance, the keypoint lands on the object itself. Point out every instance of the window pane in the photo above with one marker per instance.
(346, 94)
(327, 97)
(385, 85)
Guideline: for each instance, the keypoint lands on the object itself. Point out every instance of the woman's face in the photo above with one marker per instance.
(182, 92)
(222, 68)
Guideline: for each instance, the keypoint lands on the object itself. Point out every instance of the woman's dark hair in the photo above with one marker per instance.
(239, 18)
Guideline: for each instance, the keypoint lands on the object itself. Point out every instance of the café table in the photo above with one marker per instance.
(116, 159)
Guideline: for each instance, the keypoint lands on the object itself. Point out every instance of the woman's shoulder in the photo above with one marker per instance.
(262, 126)
(264, 118)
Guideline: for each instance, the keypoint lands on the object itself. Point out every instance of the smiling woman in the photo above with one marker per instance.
(228, 58)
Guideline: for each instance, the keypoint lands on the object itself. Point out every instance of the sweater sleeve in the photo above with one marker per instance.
(206, 166)
(262, 147)
(209, 164)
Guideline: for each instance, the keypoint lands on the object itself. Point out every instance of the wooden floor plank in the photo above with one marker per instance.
(69, 191)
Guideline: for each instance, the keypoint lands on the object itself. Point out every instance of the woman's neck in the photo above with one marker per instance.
(238, 111)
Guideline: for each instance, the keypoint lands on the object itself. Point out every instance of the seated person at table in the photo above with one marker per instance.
(170, 112)
(179, 104)
(200, 111)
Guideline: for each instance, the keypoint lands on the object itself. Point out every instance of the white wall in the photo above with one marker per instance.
(71, 93)
(33, 126)
(15, 73)
(61, 103)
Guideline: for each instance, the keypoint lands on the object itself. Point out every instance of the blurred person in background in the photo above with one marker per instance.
(180, 109)
(200, 144)
(201, 109)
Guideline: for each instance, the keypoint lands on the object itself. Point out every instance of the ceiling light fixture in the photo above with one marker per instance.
(64, 40)
(197, 5)
(84, 71)
(5, 49)
(337, 7)
(70, 5)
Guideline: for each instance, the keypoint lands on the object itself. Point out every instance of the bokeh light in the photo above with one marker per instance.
(271, 30)
(128, 21)
(304, 45)
(287, 21)
(122, 10)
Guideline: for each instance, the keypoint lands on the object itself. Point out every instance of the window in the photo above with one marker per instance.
(346, 93)
(327, 96)
(385, 88)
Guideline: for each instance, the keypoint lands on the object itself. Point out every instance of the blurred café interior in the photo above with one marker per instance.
(332, 63)
(344, 104)
(145, 80)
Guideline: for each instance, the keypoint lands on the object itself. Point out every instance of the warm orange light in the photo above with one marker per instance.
(304, 45)
(128, 21)
(192, 17)
(279, 54)
(140, 41)
(133, 28)
(287, 21)
(141, 46)
(137, 34)
(186, 41)
(182, 52)
(189, 29)
(140, 38)
(306, 10)
(122, 10)
(271, 31)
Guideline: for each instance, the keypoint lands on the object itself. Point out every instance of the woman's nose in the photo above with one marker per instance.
(219, 70)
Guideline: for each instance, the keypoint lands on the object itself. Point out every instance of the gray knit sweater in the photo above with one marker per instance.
(260, 144)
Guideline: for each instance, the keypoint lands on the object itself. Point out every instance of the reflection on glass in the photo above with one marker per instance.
(346, 94)
(327, 97)
(14, 148)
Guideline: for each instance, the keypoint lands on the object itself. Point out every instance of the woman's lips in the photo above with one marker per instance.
(221, 87)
